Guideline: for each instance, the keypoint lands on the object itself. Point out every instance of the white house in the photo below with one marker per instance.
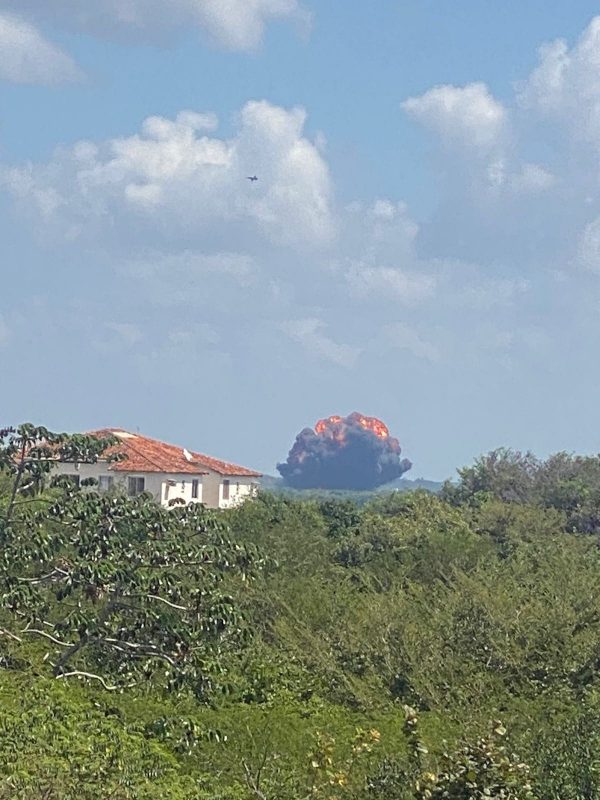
(167, 472)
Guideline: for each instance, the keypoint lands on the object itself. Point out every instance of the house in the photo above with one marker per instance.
(167, 472)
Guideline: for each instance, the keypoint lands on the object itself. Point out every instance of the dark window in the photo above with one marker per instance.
(105, 482)
(225, 490)
(195, 489)
(74, 479)
(135, 486)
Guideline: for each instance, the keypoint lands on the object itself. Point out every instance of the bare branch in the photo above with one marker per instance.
(56, 572)
(79, 674)
(47, 636)
(252, 783)
(167, 602)
(137, 650)
(4, 632)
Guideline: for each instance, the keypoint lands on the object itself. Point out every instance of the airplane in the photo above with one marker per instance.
(252, 178)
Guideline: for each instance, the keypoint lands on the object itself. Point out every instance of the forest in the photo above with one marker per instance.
(414, 646)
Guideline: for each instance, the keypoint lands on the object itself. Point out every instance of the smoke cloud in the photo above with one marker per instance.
(353, 452)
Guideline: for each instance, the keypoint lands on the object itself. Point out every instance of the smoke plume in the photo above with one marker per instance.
(353, 452)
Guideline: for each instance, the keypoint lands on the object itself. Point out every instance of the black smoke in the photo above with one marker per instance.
(343, 454)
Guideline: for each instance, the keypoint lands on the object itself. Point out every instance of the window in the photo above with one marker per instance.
(225, 490)
(195, 490)
(74, 479)
(105, 482)
(135, 486)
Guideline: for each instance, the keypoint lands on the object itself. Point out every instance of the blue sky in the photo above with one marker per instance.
(423, 243)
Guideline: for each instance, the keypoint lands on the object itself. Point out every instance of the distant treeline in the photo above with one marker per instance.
(277, 485)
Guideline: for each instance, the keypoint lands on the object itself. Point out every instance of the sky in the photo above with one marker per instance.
(422, 243)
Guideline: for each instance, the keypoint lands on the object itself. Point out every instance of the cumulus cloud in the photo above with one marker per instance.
(461, 115)
(309, 333)
(29, 58)
(174, 178)
(234, 24)
(566, 83)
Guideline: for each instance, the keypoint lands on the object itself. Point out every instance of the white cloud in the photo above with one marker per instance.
(566, 83)
(234, 24)
(239, 24)
(309, 333)
(26, 57)
(402, 337)
(175, 179)
(387, 282)
(468, 116)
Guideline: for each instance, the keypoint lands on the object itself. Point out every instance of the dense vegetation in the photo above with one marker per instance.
(415, 646)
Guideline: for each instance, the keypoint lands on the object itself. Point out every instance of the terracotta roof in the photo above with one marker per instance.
(150, 455)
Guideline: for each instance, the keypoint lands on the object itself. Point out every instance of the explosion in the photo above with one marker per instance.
(353, 452)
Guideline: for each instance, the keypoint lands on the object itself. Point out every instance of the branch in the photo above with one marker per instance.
(34, 500)
(151, 597)
(166, 602)
(252, 783)
(78, 674)
(139, 650)
(54, 574)
(47, 636)
(4, 632)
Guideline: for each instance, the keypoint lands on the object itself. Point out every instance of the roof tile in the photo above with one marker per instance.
(150, 455)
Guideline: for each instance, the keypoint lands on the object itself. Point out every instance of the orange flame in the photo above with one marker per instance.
(332, 426)
(324, 424)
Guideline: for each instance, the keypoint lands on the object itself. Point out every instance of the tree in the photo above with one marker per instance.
(28, 454)
(506, 474)
(118, 589)
(481, 770)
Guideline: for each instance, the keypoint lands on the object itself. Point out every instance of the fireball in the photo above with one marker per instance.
(353, 452)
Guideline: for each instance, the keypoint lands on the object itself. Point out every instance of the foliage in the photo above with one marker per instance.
(57, 745)
(268, 651)
(476, 770)
(570, 484)
(121, 591)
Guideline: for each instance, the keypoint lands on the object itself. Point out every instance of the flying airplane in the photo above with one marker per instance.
(252, 178)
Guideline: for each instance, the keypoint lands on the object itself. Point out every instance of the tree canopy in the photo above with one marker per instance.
(413, 646)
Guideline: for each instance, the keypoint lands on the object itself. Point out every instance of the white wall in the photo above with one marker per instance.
(240, 489)
(163, 487)
(179, 486)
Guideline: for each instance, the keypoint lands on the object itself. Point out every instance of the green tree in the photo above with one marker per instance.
(118, 589)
